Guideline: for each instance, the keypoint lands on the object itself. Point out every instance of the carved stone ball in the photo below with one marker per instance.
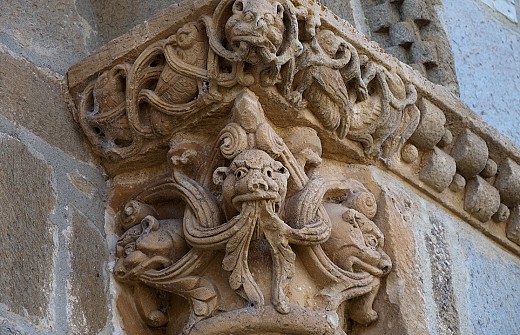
(502, 214)
(409, 153)
(458, 183)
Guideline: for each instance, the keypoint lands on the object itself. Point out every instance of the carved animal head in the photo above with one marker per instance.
(259, 24)
(252, 175)
(356, 242)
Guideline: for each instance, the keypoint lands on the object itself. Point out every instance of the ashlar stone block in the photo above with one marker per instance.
(26, 233)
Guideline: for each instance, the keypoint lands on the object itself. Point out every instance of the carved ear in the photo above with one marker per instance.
(219, 175)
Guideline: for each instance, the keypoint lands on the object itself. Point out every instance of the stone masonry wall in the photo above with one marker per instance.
(56, 248)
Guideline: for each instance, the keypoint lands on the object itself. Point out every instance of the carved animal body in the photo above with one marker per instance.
(257, 24)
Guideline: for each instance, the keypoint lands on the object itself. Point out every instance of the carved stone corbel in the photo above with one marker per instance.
(226, 125)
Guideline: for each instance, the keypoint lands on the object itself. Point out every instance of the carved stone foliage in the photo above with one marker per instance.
(234, 228)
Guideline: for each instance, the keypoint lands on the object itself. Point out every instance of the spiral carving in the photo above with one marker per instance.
(363, 202)
(268, 140)
(234, 140)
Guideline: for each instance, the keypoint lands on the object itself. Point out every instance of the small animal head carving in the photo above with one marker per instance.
(252, 175)
(259, 24)
(356, 242)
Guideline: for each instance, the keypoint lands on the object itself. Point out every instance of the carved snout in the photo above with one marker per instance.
(257, 183)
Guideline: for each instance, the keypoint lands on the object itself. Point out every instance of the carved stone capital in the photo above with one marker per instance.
(218, 128)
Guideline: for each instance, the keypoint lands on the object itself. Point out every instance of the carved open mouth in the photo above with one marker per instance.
(358, 266)
(273, 199)
(254, 41)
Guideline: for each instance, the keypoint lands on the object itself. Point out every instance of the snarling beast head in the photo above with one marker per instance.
(257, 24)
(252, 176)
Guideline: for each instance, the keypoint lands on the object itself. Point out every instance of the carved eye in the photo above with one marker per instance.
(240, 173)
(238, 6)
(371, 241)
(283, 170)
(268, 172)
(279, 9)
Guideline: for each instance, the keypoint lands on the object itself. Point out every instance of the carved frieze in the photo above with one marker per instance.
(234, 228)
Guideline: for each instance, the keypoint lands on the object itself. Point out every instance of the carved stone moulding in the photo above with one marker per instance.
(213, 121)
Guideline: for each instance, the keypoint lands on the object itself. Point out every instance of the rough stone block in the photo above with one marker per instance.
(513, 225)
(439, 169)
(398, 52)
(35, 100)
(381, 16)
(88, 289)
(471, 154)
(508, 182)
(423, 52)
(26, 233)
(416, 10)
(481, 199)
(402, 33)
(431, 126)
(53, 34)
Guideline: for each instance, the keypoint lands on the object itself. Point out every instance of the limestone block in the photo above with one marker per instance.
(381, 16)
(439, 169)
(481, 199)
(114, 18)
(513, 226)
(431, 126)
(424, 52)
(471, 154)
(26, 236)
(508, 182)
(416, 10)
(88, 293)
(34, 99)
(53, 34)
(402, 33)
(399, 52)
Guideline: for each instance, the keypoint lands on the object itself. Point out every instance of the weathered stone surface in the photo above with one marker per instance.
(114, 18)
(508, 182)
(488, 80)
(502, 215)
(513, 225)
(458, 183)
(54, 34)
(431, 126)
(481, 199)
(491, 288)
(88, 301)
(471, 154)
(26, 234)
(381, 16)
(490, 169)
(442, 278)
(34, 99)
(438, 170)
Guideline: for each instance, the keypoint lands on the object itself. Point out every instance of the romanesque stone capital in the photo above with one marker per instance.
(223, 129)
